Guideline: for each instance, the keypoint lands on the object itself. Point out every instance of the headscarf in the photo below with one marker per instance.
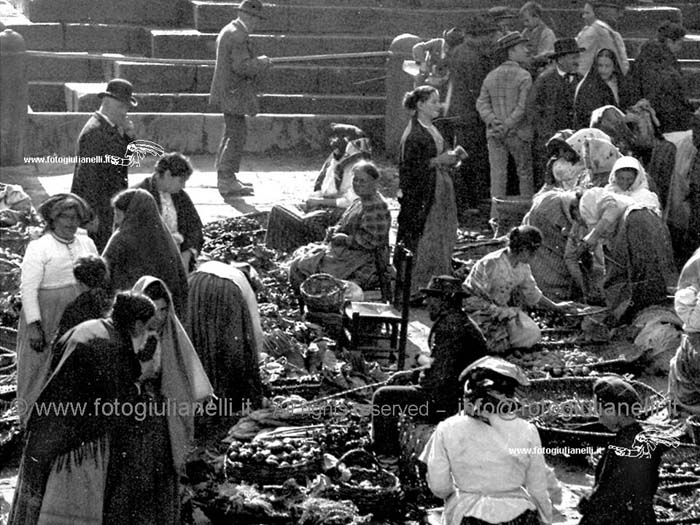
(142, 245)
(52, 207)
(590, 204)
(639, 190)
(611, 390)
(687, 299)
(183, 379)
(599, 156)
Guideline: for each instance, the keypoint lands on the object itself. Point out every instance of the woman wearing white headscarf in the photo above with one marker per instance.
(684, 374)
(629, 178)
(637, 249)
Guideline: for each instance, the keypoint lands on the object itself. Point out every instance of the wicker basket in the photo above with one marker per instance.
(291, 386)
(323, 293)
(264, 474)
(382, 502)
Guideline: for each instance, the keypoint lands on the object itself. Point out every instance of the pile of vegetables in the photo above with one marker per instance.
(283, 454)
(560, 362)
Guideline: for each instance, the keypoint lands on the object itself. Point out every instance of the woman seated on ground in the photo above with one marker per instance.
(470, 457)
(636, 246)
(684, 375)
(627, 474)
(292, 225)
(167, 187)
(142, 245)
(501, 284)
(361, 235)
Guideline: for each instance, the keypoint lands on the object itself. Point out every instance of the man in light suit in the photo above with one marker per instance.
(234, 90)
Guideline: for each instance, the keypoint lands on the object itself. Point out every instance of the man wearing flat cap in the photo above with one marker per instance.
(501, 105)
(105, 136)
(234, 90)
(551, 102)
(455, 341)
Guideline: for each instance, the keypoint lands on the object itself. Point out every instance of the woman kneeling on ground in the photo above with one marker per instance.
(501, 284)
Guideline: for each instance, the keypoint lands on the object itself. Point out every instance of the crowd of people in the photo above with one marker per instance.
(116, 308)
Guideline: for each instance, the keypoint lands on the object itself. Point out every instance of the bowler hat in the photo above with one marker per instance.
(440, 285)
(252, 7)
(121, 90)
(510, 39)
(566, 46)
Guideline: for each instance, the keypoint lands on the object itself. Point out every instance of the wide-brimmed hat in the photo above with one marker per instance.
(499, 366)
(566, 46)
(121, 90)
(511, 39)
(444, 285)
(252, 7)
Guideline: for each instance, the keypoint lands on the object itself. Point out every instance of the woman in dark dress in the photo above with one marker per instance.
(600, 87)
(428, 216)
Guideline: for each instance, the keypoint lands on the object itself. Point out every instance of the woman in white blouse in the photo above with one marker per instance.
(48, 285)
(487, 464)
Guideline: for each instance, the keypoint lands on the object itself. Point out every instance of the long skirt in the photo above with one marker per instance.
(221, 326)
(639, 264)
(289, 226)
(528, 517)
(74, 492)
(434, 252)
(684, 373)
(33, 366)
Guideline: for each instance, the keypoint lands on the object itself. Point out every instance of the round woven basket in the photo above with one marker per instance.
(322, 293)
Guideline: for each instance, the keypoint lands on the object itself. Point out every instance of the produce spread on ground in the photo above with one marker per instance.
(303, 459)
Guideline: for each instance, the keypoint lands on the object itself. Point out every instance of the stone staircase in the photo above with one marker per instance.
(299, 99)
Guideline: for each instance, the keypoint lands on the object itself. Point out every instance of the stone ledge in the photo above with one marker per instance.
(196, 133)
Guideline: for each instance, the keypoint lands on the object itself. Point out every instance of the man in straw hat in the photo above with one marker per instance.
(551, 102)
(234, 90)
(455, 341)
(105, 136)
(501, 105)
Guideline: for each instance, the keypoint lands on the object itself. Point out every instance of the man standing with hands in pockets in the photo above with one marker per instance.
(106, 136)
(234, 91)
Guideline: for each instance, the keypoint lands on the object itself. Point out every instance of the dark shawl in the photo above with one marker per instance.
(98, 182)
(188, 222)
(416, 182)
(593, 93)
(98, 363)
(143, 246)
(656, 76)
(623, 493)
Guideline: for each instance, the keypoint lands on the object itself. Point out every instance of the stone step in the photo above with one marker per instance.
(66, 69)
(191, 43)
(197, 133)
(80, 97)
(331, 80)
(47, 96)
(291, 19)
(163, 13)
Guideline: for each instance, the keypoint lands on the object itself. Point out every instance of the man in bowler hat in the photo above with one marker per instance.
(101, 172)
(234, 90)
(551, 102)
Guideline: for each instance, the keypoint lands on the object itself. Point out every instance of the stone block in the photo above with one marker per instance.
(322, 104)
(175, 131)
(158, 77)
(183, 43)
(129, 40)
(160, 12)
(41, 37)
(68, 69)
(47, 96)
(212, 16)
(358, 81)
(295, 45)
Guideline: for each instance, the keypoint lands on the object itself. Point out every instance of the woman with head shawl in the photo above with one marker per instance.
(224, 326)
(48, 286)
(600, 87)
(612, 121)
(684, 375)
(149, 457)
(627, 474)
(470, 457)
(637, 249)
(142, 245)
(628, 178)
(65, 476)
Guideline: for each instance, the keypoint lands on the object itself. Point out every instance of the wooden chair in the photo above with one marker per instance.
(367, 324)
